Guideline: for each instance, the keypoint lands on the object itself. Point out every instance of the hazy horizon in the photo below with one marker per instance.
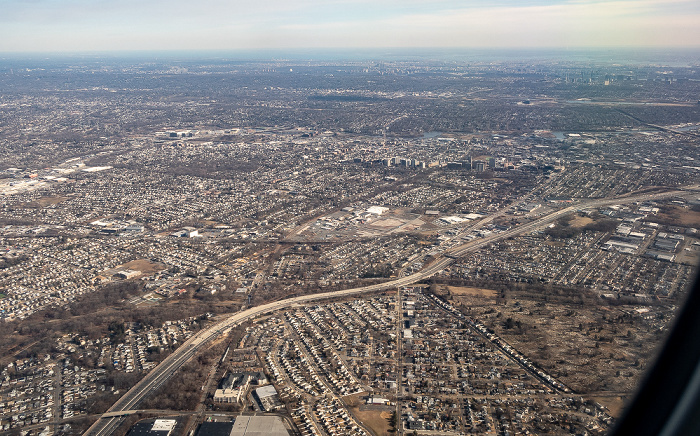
(680, 56)
(125, 25)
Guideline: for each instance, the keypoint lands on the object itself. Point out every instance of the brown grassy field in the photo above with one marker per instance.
(580, 221)
(45, 201)
(376, 420)
(468, 296)
(143, 265)
(678, 216)
(614, 404)
(460, 291)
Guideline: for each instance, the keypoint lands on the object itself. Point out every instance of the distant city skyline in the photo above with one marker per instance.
(88, 25)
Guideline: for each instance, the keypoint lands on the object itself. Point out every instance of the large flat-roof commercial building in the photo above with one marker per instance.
(259, 426)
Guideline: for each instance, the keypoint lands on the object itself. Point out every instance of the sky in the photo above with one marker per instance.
(126, 25)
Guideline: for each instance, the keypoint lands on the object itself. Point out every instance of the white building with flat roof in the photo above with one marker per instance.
(377, 210)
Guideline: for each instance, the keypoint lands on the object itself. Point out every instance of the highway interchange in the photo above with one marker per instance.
(109, 421)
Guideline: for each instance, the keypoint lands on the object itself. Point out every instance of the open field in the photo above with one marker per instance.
(580, 221)
(615, 404)
(46, 201)
(387, 223)
(678, 216)
(468, 296)
(376, 420)
(471, 292)
(143, 265)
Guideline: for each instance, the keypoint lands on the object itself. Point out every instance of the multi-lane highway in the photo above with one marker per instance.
(161, 373)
